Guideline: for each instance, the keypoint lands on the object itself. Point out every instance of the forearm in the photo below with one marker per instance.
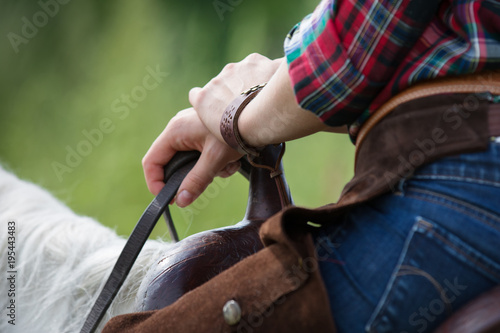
(274, 115)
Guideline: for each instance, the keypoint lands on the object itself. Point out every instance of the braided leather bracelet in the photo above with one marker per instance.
(229, 122)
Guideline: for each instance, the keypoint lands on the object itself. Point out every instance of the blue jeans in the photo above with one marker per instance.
(407, 260)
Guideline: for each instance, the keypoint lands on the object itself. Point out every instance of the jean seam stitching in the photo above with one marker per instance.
(457, 205)
(457, 178)
(458, 250)
(387, 296)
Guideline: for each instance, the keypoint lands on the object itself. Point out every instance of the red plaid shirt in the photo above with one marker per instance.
(350, 56)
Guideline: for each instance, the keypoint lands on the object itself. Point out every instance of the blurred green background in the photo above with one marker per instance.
(66, 68)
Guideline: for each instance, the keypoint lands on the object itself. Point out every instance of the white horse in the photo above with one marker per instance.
(54, 262)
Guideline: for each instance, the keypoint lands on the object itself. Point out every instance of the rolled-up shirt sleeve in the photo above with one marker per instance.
(343, 54)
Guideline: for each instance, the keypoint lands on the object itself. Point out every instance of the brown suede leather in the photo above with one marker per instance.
(470, 83)
(280, 288)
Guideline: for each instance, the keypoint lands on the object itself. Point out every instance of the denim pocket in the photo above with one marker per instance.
(436, 274)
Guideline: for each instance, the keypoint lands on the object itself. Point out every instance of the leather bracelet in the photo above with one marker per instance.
(229, 122)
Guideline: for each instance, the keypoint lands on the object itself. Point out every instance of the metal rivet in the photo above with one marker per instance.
(231, 312)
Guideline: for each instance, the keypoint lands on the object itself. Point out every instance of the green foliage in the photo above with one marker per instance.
(61, 94)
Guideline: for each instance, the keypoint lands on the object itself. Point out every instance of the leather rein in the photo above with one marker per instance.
(175, 172)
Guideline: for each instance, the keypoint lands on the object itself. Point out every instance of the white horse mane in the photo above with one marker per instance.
(62, 261)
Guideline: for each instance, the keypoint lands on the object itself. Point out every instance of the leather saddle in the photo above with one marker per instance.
(197, 258)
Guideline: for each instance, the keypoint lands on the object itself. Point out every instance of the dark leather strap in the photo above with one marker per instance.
(229, 121)
(180, 159)
(179, 168)
(276, 173)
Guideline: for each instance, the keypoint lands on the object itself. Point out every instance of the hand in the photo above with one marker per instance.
(211, 100)
(186, 132)
(197, 128)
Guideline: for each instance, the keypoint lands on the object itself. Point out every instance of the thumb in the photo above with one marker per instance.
(194, 96)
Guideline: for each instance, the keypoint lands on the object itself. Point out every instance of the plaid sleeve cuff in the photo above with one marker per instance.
(342, 55)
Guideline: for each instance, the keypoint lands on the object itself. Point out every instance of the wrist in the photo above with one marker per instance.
(229, 127)
(254, 132)
(274, 116)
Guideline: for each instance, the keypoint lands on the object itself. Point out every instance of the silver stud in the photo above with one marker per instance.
(231, 312)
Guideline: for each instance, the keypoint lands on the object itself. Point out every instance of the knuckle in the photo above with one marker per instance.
(172, 126)
(148, 170)
(215, 82)
(175, 124)
(255, 57)
(196, 96)
(145, 161)
(229, 67)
